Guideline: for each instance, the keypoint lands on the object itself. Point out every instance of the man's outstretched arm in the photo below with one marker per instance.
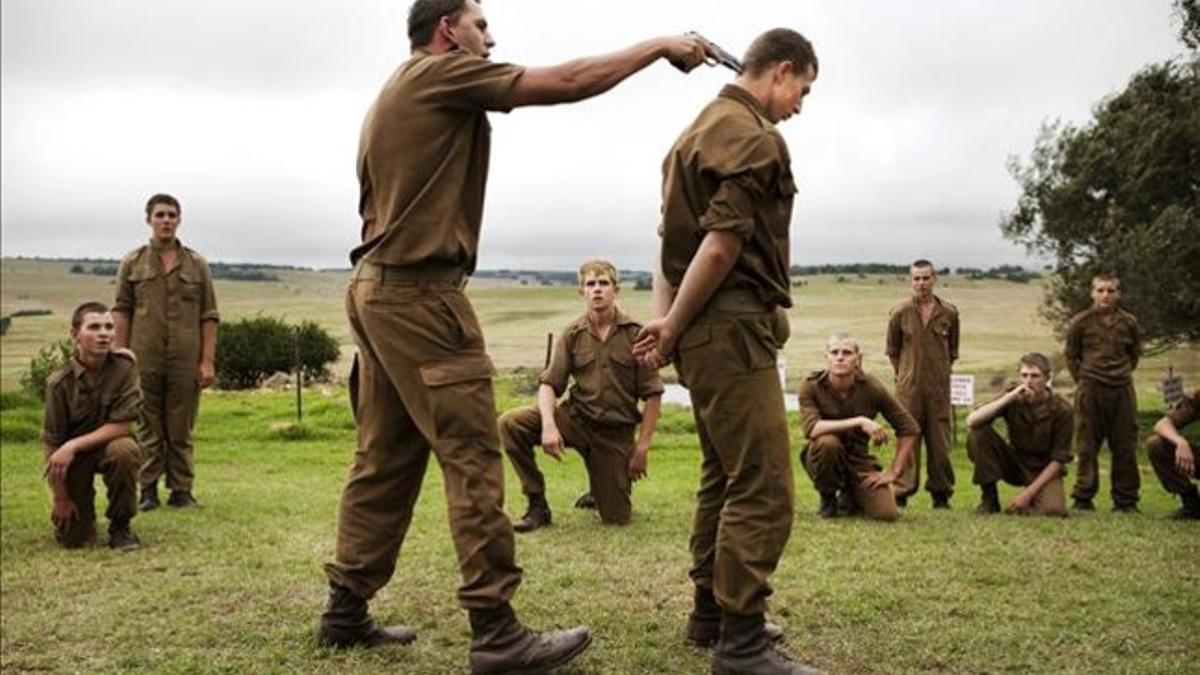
(589, 76)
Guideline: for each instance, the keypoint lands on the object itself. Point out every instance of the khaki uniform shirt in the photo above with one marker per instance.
(924, 352)
(1186, 411)
(731, 171)
(165, 309)
(867, 398)
(1104, 345)
(75, 406)
(608, 380)
(1040, 432)
(423, 160)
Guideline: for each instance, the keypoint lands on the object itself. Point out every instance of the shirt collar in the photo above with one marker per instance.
(739, 94)
(159, 248)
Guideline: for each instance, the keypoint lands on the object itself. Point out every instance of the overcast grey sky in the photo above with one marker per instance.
(249, 111)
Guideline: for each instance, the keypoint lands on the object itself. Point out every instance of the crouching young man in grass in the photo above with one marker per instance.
(838, 407)
(600, 416)
(1038, 447)
(90, 402)
(1173, 458)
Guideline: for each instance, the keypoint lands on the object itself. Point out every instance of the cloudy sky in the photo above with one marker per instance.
(249, 111)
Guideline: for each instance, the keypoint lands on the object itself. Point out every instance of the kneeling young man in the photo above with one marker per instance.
(90, 402)
(601, 413)
(1038, 447)
(838, 407)
(1173, 458)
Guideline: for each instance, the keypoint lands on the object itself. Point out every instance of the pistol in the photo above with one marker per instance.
(717, 56)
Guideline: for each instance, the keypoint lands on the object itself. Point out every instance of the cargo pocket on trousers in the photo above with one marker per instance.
(756, 342)
(463, 403)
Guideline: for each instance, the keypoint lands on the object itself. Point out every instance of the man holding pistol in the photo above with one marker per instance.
(422, 381)
(722, 293)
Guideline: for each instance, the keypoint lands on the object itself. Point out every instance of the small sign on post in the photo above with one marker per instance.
(962, 393)
(1172, 388)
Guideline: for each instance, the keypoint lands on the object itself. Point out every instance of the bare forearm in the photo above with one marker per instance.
(100, 436)
(904, 452)
(547, 402)
(834, 427)
(661, 294)
(650, 411)
(585, 77)
(987, 412)
(1166, 428)
(121, 329)
(1053, 470)
(716, 256)
(208, 341)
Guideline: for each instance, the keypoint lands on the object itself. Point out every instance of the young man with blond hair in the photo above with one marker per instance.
(600, 415)
(1038, 448)
(838, 407)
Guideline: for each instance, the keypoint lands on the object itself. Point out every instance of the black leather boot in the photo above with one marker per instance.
(745, 650)
(829, 505)
(501, 645)
(346, 623)
(537, 515)
(989, 500)
(704, 623)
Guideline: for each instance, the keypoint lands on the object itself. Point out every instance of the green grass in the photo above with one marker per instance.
(235, 586)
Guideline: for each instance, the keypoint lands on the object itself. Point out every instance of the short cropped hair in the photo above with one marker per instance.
(921, 262)
(1107, 276)
(424, 15)
(842, 337)
(162, 198)
(780, 44)
(1036, 360)
(86, 308)
(599, 266)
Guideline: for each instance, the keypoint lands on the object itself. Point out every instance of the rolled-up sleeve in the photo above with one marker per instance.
(125, 300)
(127, 406)
(56, 418)
(558, 371)
(208, 306)
(810, 412)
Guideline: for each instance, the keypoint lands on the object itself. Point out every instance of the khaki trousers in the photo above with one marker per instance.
(1104, 412)
(170, 402)
(932, 414)
(117, 462)
(995, 460)
(743, 519)
(1162, 458)
(605, 449)
(423, 383)
(833, 465)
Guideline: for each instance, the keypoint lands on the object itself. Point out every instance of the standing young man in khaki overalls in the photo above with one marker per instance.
(601, 415)
(423, 380)
(166, 312)
(1104, 344)
(724, 289)
(922, 344)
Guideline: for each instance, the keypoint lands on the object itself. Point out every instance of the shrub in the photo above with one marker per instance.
(249, 350)
(48, 360)
(5, 324)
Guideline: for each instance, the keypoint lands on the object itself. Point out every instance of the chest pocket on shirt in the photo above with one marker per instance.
(190, 286)
(583, 358)
(141, 280)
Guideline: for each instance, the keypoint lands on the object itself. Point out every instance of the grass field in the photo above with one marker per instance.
(235, 587)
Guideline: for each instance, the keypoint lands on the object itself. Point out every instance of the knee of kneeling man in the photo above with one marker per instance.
(1157, 445)
(826, 443)
(124, 450)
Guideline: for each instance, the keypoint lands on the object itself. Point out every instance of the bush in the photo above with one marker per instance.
(48, 360)
(5, 324)
(250, 350)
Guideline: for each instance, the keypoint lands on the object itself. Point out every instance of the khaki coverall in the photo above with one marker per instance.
(1162, 451)
(599, 418)
(74, 407)
(423, 380)
(842, 461)
(1102, 351)
(165, 310)
(924, 354)
(1038, 433)
(730, 171)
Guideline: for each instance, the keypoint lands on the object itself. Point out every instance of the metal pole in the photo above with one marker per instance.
(299, 376)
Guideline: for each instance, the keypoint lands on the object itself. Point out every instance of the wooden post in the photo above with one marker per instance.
(549, 347)
(299, 376)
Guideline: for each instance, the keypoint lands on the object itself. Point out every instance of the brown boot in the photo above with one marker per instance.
(704, 623)
(745, 650)
(346, 623)
(537, 515)
(500, 644)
